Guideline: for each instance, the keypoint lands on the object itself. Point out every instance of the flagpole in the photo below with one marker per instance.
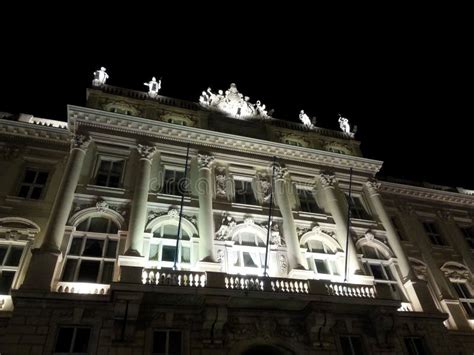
(181, 207)
(349, 203)
(269, 217)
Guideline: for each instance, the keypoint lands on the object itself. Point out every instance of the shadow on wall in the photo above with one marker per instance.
(267, 350)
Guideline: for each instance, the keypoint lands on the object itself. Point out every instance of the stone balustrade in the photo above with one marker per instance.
(173, 278)
(350, 290)
(82, 288)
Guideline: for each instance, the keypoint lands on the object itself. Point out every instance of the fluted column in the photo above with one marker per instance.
(295, 258)
(136, 227)
(44, 260)
(65, 195)
(338, 210)
(372, 188)
(206, 218)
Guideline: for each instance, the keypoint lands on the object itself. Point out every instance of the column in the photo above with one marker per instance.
(44, 260)
(206, 218)
(296, 261)
(338, 210)
(137, 224)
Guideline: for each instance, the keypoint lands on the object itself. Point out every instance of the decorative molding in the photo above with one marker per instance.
(281, 173)
(456, 271)
(425, 194)
(101, 206)
(227, 224)
(327, 179)
(79, 141)
(205, 161)
(112, 122)
(221, 179)
(373, 186)
(146, 151)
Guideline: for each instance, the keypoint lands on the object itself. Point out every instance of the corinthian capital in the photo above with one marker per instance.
(373, 186)
(327, 179)
(280, 173)
(205, 161)
(80, 141)
(146, 151)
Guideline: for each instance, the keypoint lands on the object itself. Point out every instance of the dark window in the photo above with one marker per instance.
(72, 340)
(167, 342)
(244, 193)
(307, 201)
(14, 256)
(6, 280)
(415, 346)
(174, 183)
(33, 184)
(465, 297)
(351, 345)
(468, 233)
(357, 208)
(433, 233)
(98, 225)
(109, 173)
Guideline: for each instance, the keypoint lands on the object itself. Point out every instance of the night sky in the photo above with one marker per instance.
(406, 83)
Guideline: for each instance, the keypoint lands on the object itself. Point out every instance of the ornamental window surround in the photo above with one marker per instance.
(247, 256)
(33, 183)
(163, 245)
(92, 251)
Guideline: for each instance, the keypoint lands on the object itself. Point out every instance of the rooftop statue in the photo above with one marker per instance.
(345, 126)
(153, 87)
(100, 77)
(305, 119)
(233, 103)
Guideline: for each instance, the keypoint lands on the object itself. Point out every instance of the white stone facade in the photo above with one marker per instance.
(90, 212)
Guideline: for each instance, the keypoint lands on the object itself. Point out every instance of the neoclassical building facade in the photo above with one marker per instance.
(151, 225)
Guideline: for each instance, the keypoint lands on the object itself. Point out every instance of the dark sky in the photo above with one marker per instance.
(406, 81)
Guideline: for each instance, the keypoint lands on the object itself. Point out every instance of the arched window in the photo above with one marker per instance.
(163, 245)
(92, 251)
(248, 252)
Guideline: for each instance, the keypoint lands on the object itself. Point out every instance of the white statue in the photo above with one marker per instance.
(305, 119)
(153, 87)
(226, 225)
(100, 77)
(344, 124)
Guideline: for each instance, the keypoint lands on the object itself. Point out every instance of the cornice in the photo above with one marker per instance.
(34, 131)
(423, 193)
(114, 122)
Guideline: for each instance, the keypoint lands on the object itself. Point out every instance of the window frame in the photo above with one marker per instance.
(359, 209)
(110, 158)
(167, 332)
(11, 268)
(248, 192)
(236, 261)
(307, 201)
(466, 302)
(176, 186)
(160, 242)
(33, 185)
(434, 234)
(71, 346)
(329, 257)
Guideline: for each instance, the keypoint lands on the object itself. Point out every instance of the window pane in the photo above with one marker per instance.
(168, 253)
(64, 340)
(174, 345)
(357, 345)
(75, 246)
(117, 167)
(36, 193)
(111, 249)
(321, 266)
(170, 231)
(98, 225)
(24, 190)
(93, 247)
(30, 176)
(6, 280)
(159, 342)
(114, 181)
(377, 272)
(41, 178)
(107, 272)
(104, 166)
(88, 271)
(113, 228)
(81, 343)
(83, 226)
(346, 346)
(101, 179)
(248, 261)
(14, 257)
(69, 270)
(3, 251)
(154, 248)
(185, 254)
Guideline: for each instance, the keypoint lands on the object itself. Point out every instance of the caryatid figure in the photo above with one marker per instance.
(100, 77)
(153, 87)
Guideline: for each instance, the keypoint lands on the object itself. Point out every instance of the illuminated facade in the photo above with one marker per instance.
(91, 210)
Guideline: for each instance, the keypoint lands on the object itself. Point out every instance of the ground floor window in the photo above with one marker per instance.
(167, 342)
(72, 340)
(415, 346)
(352, 345)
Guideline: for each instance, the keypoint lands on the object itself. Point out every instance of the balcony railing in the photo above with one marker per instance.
(173, 278)
(82, 288)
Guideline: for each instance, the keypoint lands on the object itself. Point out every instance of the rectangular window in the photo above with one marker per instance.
(307, 201)
(468, 233)
(167, 342)
(415, 346)
(10, 256)
(244, 192)
(174, 183)
(33, 184)
(72, 340)
(351, 345)
(109, 172)
(433, 233)
(357, 208)
(398, 228)
(465, 297)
